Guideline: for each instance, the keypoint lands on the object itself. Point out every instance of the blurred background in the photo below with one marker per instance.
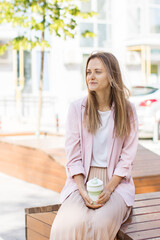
(128, 29)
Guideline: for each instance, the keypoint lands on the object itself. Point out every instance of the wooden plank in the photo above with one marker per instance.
(32, 235)
(147, 181)
(46, 217)
(31, 158)
(145, 164)
(145, 210)
(142, 161)
(145, 196)
(146, 171)
(146, 203)
(49, 208)
(142, 235)
(29, 175)
(21, 150)
(158, 238)
(38, 226)
(142, 218)
(147, 189)
(141, 226)
(146, 158)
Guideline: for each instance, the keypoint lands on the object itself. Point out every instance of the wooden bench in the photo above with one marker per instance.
(43, 161)
(143, 223)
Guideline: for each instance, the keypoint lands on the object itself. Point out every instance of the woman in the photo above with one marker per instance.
(101, 141)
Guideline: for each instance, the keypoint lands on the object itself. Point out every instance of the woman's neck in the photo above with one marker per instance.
(103, 102)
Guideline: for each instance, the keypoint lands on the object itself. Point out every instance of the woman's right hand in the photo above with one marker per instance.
(79, 179)
(88, 201)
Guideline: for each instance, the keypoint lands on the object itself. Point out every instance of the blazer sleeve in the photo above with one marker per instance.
(73, 144)
(129, 150)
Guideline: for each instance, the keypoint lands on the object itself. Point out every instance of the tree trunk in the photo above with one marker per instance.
(40, 100)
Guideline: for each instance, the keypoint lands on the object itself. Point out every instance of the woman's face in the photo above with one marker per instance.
(97, 79)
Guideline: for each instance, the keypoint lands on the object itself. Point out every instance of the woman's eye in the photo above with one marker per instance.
(98, 72)
(88, 73)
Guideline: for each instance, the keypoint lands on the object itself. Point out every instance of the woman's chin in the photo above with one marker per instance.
(92, 89)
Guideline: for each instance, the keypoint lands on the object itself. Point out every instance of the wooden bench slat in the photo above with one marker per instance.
(142, 218)
(47, 217)
(38, 226)
(141, 226)
(147, 181)
(144, 196)
(42, 209)
(31, 235)
(155, 238)
(152, 188)
(147, 202)
(148, 172)
(153, 167)
(142, 235)
(145, 210)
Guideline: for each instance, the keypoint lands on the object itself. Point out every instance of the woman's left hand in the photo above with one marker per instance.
(104, 196)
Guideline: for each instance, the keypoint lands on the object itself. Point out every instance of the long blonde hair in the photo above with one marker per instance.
(118, 98)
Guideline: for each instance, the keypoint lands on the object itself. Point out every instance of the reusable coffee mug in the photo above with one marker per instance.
(94, 188)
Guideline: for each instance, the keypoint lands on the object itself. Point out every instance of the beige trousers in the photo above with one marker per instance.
(75, 221)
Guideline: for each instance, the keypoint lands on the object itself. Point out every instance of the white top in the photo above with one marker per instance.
(100, 142)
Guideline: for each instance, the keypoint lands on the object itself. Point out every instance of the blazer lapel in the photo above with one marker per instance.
(88, 141)
(111, 136)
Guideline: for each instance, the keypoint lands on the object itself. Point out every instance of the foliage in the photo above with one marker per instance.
(34, 17)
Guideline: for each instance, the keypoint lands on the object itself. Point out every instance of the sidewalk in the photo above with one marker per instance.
(15, 196)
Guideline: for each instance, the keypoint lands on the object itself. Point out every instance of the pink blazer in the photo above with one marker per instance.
(79, 153)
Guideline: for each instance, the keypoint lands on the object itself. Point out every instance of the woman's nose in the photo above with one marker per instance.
(92, 76)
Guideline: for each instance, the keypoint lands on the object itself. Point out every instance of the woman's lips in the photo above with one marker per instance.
(92, 83)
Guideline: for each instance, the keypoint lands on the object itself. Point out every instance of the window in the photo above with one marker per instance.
(154, 16)
(101, 9)
(27, 72)
(6, 56)
(154, 69)
(134, 20)
(86, 42)
(155, 51)
(18, 65)
(86, 6)
(155, 1)
(154, 20)
(102, 35)
(100, 24)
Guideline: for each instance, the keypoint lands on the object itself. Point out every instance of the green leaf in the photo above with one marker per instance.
(68, 34)
(88, 34)
(58, 23)
(3, 48)
(37, 9)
